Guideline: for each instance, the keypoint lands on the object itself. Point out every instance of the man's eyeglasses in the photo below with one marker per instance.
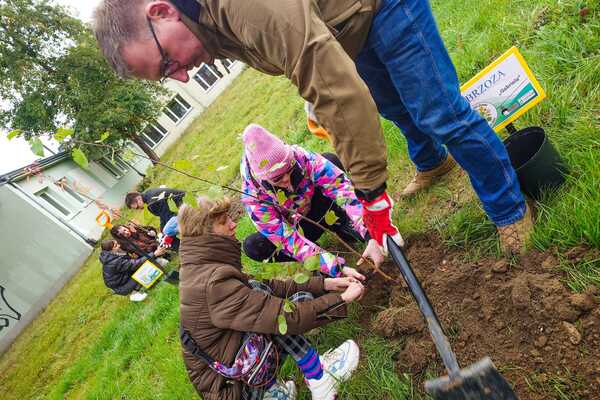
(167, 66)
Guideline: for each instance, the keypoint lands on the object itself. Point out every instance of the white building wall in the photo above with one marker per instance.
(94, 183)
(45, 247)
(198, 97)
(39, 255)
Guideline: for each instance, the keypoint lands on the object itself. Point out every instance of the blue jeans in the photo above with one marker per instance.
(414, 84)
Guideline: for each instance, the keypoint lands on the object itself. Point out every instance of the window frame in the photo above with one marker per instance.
(55, 201)
(174, 117)
(198, 78)
(117, 169)
(160, 129)
(79, 199)
(230, 62)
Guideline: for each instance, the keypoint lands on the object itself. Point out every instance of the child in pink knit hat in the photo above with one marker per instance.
(282, 182)
(268, 156)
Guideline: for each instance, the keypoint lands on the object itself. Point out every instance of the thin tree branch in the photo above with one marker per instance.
(279, 206)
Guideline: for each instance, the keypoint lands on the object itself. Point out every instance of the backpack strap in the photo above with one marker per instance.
(190, 345)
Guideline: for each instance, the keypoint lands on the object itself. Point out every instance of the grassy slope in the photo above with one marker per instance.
(90, 344)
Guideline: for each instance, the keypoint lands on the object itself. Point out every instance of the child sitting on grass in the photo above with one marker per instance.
(221, 308)
(135, 239)
(117, 268)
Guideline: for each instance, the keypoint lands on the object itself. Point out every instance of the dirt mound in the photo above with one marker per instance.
(542, 337)
(399, 321)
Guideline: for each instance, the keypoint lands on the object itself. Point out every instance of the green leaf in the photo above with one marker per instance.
(147, 215)
(263, 164)
(281, 197)
(330, 217)
(128, 155)
(183, 165)
(282, 324)
(12, 134)
(103, 137)
(312, 263)
(288, 306)
(79, 157)
(36, 146)
(190, 200)
(172, 206)
(301, 278)
(63, 133)
(211, 168)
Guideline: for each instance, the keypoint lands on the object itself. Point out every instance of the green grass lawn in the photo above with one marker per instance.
(90, 344)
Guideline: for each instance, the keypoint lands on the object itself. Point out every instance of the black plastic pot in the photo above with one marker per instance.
(537, 163)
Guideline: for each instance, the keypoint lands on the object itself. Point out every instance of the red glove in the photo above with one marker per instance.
(167, 241)
(377, 216)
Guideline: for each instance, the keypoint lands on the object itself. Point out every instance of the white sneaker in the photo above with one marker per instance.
(137, 296)
(338, 365)
(281, 391)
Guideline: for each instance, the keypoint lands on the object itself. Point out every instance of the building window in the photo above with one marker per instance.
(54, 200)
(206, 77)
(227, 63)
(122, 164)
(64, 184)
(177, 108)
(116, 166)
(153, 134)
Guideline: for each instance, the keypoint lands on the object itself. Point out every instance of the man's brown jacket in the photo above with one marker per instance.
(313, 43)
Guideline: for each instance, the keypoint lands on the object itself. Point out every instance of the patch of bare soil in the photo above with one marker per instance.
(539, 334)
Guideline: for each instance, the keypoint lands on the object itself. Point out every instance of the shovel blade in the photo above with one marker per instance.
(480, 381)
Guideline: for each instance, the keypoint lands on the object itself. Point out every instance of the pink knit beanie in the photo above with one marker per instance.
(267, 154)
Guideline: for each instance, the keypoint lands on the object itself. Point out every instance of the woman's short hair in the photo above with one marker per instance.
(198, 221)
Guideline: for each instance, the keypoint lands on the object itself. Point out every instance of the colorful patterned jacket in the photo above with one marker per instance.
(280, 227)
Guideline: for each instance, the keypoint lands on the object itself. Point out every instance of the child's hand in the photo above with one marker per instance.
(354, 291)
(338, 284)
(352, 273)
(160, 251)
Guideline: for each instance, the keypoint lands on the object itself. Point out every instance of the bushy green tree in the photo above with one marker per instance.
(53, 75)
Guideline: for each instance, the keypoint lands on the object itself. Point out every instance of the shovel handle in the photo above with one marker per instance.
(437, 334)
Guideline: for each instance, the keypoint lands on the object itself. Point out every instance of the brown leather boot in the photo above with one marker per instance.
(425, 179)
(513, 237)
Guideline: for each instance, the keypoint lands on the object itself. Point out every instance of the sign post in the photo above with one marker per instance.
(504, 90)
